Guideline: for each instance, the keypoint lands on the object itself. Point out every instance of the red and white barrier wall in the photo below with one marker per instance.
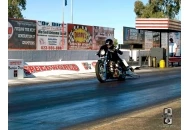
(18, 69)
(35, 69)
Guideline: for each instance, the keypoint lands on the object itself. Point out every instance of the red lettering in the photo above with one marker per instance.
(75, 67)
(26, 70)
(37, 68)
(31, 69)
(65, 67)
(12, 63)
(85, 65)
(54, 67)
(58, 48)
(93, 64)
(80, 35)
(15, 63)
(26, 67)
(43, 68)
(60, 67)
(70, 67)
(44, 47)
(34, 69)
(48, 67)
(10, 30)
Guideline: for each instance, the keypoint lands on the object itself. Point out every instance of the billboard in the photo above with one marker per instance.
(134, 37)
(21, 34)
(100, 34)
(50, 36)
(79, 37)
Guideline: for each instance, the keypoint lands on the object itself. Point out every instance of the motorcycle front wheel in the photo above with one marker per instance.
(100, 72)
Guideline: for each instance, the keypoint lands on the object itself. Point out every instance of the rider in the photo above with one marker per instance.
(109, 45)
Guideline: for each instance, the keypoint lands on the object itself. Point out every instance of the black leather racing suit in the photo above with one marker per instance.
(114, 55)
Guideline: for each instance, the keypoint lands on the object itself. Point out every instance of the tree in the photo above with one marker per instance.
(15, 7)
(157, 9)
(139, 7)
(115, 42)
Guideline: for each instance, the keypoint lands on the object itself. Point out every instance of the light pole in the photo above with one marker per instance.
(64, 4)
(71, 11)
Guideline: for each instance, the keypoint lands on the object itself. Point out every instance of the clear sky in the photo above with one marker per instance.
(107, 13)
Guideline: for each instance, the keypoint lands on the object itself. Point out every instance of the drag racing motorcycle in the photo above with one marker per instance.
(108, 69)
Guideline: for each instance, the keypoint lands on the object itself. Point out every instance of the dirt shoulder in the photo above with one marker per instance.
(145, 119)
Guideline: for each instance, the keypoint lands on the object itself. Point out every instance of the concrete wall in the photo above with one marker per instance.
(136, 53)
(56, 55)
(143, 53)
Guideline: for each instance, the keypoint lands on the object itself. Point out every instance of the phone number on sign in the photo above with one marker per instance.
(51, 47)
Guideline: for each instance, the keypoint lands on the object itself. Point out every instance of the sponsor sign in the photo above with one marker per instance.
(89, 65)
(50, 36)
(15, 68)
(133, 38)
(21, 34)
(35, 69)
(30, 69)
(79, 37)
(15, 65)
(100, 34)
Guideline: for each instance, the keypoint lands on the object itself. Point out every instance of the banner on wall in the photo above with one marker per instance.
(156, 39)
(21, 34)
(35, 69)
(100, 34)
(164, 40)
(133, 38)
(50, 36)
(79, 37)
(148, 40)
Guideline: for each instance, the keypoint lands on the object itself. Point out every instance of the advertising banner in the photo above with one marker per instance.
(148, 40)
(35, 69)
(100, 34)
(133, 36)
(164, 40)
(79, 37)
(21, 34)
(49, 36)
(156, 39)
(15, 68)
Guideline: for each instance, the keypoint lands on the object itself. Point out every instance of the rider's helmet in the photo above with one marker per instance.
(171, 40)
(109, 43)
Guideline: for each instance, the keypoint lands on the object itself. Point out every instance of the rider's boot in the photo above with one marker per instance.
(126, 68)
